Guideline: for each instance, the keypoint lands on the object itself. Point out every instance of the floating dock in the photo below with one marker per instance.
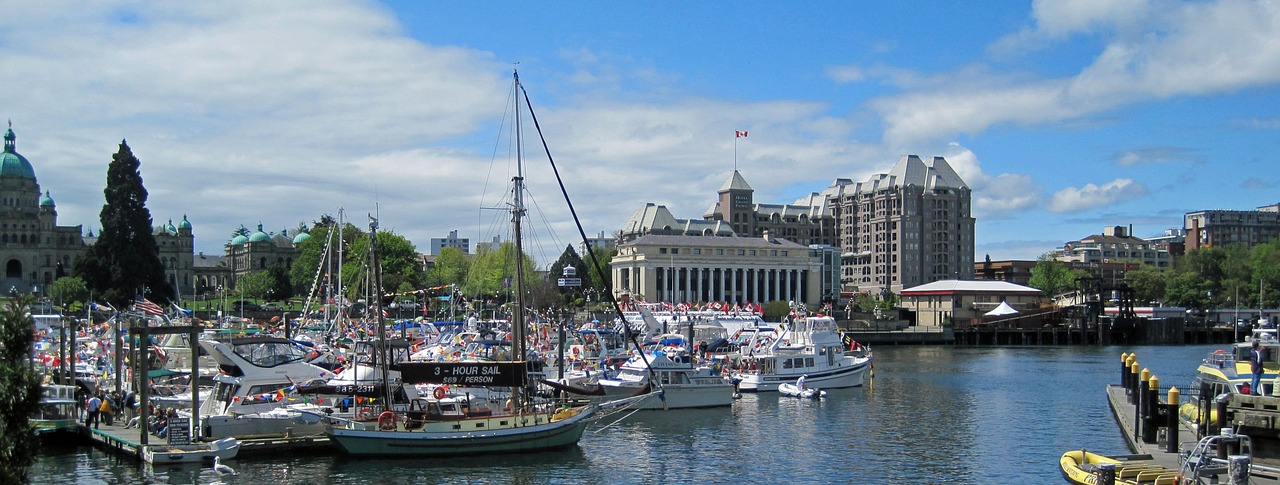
(127, 442)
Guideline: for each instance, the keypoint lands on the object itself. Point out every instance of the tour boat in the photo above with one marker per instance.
(56, 416)
(250, 392)
(1227, 371)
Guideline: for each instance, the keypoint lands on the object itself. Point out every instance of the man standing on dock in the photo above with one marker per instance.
(1255, 365)
(92, 419)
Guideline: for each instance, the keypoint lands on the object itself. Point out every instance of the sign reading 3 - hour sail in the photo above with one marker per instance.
(505, 374)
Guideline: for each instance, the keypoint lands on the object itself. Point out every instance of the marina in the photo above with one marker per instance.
(988, 407)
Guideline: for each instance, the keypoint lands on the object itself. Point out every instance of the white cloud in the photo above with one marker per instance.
(1178, 49)
(993, 196)
(1072, 199)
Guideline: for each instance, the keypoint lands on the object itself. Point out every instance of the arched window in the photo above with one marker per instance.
(13, 269)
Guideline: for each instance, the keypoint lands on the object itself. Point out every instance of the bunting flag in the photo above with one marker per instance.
(147, 306)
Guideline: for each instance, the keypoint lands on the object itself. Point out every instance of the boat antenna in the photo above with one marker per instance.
(595, 260)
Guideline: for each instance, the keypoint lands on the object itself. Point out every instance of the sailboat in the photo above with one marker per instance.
(447, 426)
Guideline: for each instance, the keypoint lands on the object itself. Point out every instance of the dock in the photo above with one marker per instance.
(127, 442)
(1152, 437)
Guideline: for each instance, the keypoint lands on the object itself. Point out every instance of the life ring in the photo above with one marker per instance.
(387, 421)
(438, 393)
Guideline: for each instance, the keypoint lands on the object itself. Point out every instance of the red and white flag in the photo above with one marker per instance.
(740, 134)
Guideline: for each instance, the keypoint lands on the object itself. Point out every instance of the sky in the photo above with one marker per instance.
(1063, 117)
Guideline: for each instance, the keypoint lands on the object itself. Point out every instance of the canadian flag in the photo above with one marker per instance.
(740, 134)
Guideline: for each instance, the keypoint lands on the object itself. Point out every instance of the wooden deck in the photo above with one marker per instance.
(128, 442)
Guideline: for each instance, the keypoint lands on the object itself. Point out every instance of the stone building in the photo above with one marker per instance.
(35, 249)
(910, 226)
(260, 251)
(680, 268)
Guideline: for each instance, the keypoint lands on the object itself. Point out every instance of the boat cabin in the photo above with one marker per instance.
(422, 411)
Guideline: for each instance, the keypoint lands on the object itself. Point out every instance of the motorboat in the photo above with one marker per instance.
(678, 381)
(1227, 371)
(1201, 465)
(223, 449)
(256, 376)
(809, 346)
(792, 390)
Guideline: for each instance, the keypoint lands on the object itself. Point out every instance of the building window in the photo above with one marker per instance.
(662, 250)
(697, 251)
(719, 252)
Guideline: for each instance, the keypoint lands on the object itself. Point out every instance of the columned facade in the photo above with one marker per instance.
(699, 269)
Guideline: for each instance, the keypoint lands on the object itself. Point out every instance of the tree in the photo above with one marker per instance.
(1148, 283)
(125, 260)
(255, 285)
(67, 290)
(1051, 276)
(569, 258)
(310, 253)
(399, 259)
(493, 269)
(450, 269)
(240, 231)
(280, 287)
(19, 393)
(593, 279)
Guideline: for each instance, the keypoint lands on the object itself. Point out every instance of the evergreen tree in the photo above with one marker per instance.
(125, 260)
(19, 393)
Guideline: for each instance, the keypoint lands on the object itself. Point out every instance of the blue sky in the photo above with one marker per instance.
(1063, 116)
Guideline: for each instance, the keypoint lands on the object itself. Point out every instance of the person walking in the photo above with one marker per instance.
(92, 418)
(1255, 364)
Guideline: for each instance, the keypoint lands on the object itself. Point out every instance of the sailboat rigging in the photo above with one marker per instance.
(440, 425)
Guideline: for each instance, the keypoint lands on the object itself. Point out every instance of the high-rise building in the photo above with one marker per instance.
(453, 241)
(1219, 228)
(910, 226)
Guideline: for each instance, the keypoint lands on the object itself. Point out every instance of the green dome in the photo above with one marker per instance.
(240, 239)
(11, 163)
(185, 224)
(259, 236)
(46, 200)
(302, 236)
(169, 227)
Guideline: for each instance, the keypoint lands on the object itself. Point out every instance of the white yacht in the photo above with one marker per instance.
(683, 384)
(809, 346)
(249, 394)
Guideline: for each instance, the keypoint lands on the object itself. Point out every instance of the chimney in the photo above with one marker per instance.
(766, 236)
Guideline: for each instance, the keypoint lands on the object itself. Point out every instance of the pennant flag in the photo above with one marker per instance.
(147, 306)
(740, 134)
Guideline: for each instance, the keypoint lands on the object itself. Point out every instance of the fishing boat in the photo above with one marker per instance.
(1227, 371)
(438, 426)
(225, 449)
(809, 346)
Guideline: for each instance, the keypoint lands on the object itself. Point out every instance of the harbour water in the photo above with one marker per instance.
(932, 415)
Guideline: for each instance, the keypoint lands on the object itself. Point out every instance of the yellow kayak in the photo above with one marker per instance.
(1078, 467)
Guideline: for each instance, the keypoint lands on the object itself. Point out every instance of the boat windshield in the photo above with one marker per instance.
(268, 353)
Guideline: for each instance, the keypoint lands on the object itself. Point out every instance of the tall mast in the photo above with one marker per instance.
(517, 211)
(384, 354)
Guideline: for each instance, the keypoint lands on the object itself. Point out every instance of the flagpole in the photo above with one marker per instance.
(735, 151)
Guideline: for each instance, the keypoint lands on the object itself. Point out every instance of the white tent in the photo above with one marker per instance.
(1003, 309)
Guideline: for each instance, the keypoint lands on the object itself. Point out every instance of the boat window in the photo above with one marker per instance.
(786, 364)
(224, 391)
(808, 361)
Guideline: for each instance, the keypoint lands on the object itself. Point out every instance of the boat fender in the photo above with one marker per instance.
(439, 393)
(387, 420)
